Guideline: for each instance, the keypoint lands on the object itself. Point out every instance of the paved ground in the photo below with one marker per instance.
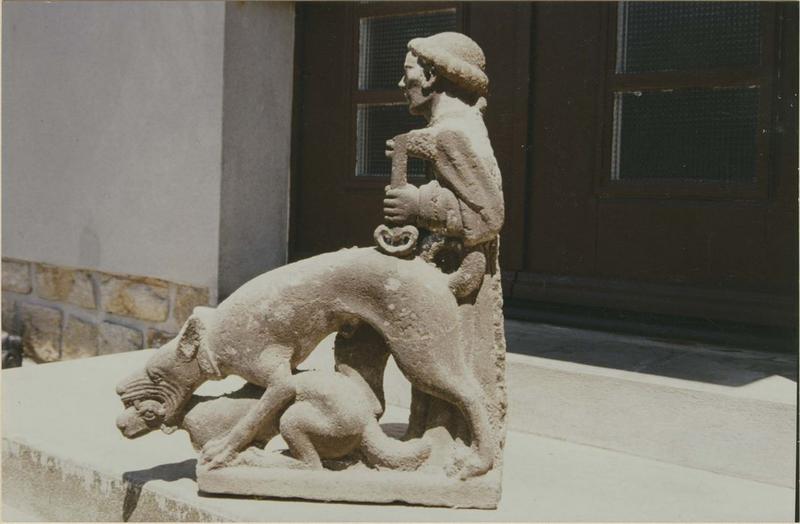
(545, 479)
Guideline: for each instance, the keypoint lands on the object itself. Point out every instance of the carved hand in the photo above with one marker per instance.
(401, 205)
(389, 148)
(219, 451)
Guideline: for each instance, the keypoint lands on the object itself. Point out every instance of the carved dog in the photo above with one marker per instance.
(265, 329)
(333, 415)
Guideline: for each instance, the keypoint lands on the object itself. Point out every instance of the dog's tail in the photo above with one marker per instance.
(381, 450)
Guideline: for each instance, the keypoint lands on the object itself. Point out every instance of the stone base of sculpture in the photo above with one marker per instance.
(355, 484)
(364, 451)
(354, 477)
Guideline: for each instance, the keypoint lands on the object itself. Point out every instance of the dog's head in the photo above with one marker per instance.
(156, 396)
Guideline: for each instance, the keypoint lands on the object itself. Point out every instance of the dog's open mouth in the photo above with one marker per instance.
(142, 414)
(131, 424)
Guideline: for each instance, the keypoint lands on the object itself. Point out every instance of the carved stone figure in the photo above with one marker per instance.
(429, 296)
(333, 416)
(460, 213)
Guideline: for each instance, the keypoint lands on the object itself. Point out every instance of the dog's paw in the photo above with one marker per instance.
(217, 453)
(473, 467)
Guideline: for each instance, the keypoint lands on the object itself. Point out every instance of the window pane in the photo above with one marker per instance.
(691, 134)
(671, 36)
(375, 124)
(383, 40)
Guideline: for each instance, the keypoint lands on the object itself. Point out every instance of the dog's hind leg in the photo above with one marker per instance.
(468, 397)
(472, 405)
(297, 423)
(455, 384)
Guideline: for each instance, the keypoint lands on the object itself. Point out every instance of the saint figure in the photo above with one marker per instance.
(444, 81)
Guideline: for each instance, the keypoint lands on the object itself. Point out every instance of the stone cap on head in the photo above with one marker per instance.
(457, 57)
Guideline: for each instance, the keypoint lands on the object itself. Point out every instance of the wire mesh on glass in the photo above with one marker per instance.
(674, 36)
(383, 40)
(375, 124)
(690, 134)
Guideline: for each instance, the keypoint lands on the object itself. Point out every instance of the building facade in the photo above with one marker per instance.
(158, 155)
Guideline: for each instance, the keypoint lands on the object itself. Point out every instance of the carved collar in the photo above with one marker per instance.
(208, 364)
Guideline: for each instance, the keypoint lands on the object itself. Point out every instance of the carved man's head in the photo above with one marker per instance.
(445, 62)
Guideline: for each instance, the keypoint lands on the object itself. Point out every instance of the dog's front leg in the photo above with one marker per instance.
(279, 393)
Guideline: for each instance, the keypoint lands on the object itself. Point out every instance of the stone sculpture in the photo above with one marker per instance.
(429, 296)
(333, 416)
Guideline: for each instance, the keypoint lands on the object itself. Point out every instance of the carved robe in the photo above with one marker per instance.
(465, 202)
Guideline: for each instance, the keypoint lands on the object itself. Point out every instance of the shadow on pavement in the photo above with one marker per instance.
(710, 363)
(135, 480)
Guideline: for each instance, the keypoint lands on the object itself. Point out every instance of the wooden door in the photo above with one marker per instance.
(702, 219)
(607, 202)
(348, 104)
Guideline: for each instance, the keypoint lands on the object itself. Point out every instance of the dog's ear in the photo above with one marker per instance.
(193, 334)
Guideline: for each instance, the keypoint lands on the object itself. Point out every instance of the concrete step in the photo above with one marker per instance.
(715, 408)
(63, 459)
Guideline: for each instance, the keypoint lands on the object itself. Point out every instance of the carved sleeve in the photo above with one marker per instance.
(465, 202)
(439, 210)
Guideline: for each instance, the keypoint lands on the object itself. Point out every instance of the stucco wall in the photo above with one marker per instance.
(112, 116)
(256, 145)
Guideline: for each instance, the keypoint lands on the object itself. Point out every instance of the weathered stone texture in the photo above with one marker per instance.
(156, 338)
(16, 276)
(41, 332)
(118, 339)
(9, 316)
(65, 285)
(143, 298)
(80, 339)
(186, 299)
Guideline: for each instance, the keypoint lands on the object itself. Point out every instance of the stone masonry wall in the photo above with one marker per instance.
(65, 313)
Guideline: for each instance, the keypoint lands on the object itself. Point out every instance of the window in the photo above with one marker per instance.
(685, 134)
(376, 123)
(689, 97)
(380, 111)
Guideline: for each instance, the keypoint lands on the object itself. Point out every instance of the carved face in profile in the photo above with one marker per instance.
(416, 85)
